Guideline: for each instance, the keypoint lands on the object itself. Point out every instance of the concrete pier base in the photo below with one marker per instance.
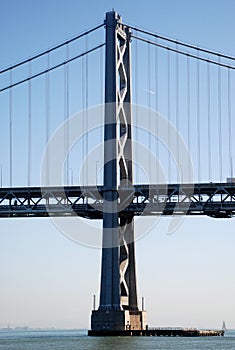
(120, 320)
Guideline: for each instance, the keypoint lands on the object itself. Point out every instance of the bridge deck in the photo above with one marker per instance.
(212, 199)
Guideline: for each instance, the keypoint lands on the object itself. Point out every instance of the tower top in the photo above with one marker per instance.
(114, 15)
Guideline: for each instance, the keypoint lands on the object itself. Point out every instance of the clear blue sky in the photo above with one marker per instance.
(47, 280)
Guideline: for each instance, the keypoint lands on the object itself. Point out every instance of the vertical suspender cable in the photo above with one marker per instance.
(101, 77)
(136, 102)
(230, 125)
(29, 126)
(156, 107)
(149, 121)
(168, 113)
(198, 120)
(149, 77)
(209, 120)
(220, 122)
(65, 124)
(189, 108)
(1, 175)
(86, 103)
(47, 115)
(83, 121)
(10, 127)
(101, 99)
(67, 116)
(177, 111)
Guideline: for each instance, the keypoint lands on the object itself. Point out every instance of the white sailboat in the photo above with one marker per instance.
(224, 328)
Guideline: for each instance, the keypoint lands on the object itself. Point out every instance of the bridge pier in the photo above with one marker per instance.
(118, 309)
(117, 320)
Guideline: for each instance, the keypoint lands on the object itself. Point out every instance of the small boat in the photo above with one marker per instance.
(224, 328)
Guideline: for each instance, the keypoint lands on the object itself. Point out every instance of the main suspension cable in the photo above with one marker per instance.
(52, 49)
(52, 68)
(181, 43)
(186, 53)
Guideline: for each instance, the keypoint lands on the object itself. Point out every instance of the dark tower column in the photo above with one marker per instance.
(118, 309)
(109, 290)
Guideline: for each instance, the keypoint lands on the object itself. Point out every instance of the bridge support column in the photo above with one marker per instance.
(118, 309)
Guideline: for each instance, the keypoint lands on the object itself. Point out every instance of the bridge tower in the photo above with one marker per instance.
(118, 309)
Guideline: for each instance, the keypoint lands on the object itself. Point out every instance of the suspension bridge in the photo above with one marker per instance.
(153, 136)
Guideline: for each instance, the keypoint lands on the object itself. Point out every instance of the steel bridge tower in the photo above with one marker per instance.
(118, 309)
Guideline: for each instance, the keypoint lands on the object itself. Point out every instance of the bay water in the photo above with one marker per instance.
(78, 339)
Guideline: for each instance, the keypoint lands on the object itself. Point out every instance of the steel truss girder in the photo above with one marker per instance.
(212, 199)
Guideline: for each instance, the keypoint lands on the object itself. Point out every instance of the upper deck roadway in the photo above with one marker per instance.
(211, 199)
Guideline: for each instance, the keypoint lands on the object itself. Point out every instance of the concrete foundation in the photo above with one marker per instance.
(120, 320)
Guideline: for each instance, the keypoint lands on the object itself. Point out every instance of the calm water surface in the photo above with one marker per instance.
(35, 340)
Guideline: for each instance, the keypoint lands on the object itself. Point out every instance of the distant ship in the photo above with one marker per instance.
(224, 328)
